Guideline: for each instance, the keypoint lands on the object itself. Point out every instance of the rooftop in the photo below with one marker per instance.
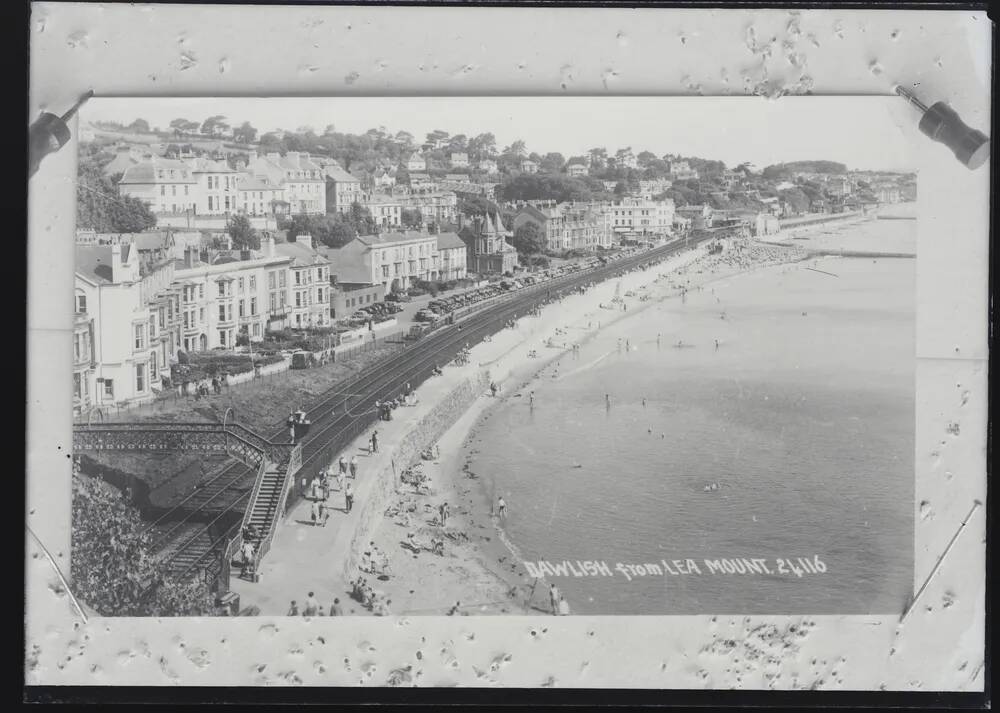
(449, 240)
(392, 238)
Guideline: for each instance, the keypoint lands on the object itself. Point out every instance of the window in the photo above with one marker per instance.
(139, 336)
(140, 378)
(239, 285)
(187, 320)
(76, 385)
(163, 190)
(241, 308)
(185, 190)
(222, 289)
(152, 326)
(319, 294)
(109, 388)
(298, 298)
(227, 202)
(201, 314)
(81, 304)
(385, 271)
(256, 330)
(152, 365)
(282, 280)
(271, 280)
(253, 282)
(298, 277)
(222, 337)
(201, 291)
(274, 302)
(253, 305)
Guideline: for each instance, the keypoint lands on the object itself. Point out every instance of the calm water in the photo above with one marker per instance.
(804, 420)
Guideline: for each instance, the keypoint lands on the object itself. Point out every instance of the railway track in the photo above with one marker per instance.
(347, 411)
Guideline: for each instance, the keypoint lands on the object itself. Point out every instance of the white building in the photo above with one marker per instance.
(682, 171)
(416, 162)
(529, 166)
(489, 165)
(122, 346)
(451, 260)
(391, 259)
(386, 210)
(342, 189)
(301, 177)
(165, 185)
(645, 217)
(576, 170)
(459, 159)
(308, 283)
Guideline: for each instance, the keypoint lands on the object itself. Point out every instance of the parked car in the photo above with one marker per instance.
(426, 315)
(398, 297)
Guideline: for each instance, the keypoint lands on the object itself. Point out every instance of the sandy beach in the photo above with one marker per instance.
(478, 570)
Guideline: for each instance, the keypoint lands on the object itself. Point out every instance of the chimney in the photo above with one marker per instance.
(304, 239)
(203, 256)
(252, 159)
(267, 245)
(305, 156)
(190, 256)
(116, 261)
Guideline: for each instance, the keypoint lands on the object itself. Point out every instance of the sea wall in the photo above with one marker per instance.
(404, 453)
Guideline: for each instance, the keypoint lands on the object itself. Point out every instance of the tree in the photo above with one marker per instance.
(245, 133)
(621, 189)
(646, 157)
(243, 234)
(552, 162)
(529, 239)
(437, 138)
(404, 139)
(139, 126)
(598, 157)
(546, 186)
(112, 567)
(518, 148)
(412, 218)
(98, 207)
(214, 125)
(481, 146)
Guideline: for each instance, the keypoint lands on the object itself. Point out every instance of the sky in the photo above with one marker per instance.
(862, 132)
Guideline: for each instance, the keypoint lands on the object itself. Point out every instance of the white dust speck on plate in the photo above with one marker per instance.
(188, 60)
(876, 68)
(895, 35)
(224, 65)
(308, 68)
(78, 39)
(609, 75)
(838, 29)
(566, 75)
(622, 38)
(521, 66)
(380, 64)
(350, 78)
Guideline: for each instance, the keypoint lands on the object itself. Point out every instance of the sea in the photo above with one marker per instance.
(771, 474)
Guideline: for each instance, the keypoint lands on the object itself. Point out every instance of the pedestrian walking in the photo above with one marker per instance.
(314, 512)
(531, 399)
(493, 388)
(501, 508)
(304, 487)
(348, 498)
(354, 466)
(442, 514)
(315, 487)
(374, 446)
(343, 464)
(554, 598)
(340, 482)
(324, 513)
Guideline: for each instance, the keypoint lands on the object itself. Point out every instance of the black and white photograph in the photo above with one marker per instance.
(638, 351)
(332, 359)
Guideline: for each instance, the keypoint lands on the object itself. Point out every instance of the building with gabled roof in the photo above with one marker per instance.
(165, 185)
(392, 259)
(487, 249)
(452, 262)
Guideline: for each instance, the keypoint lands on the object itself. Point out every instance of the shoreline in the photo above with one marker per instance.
(481, 567)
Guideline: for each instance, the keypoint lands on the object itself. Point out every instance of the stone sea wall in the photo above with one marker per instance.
(405, 453)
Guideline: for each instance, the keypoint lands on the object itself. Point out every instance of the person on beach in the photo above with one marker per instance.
(293, 610)
(607, 400)
(531, 399)
(314, 488)
(442, 514)
(716, 344)
(454, 610)
(493, 389)
(354, 466)
(501, 508)
(340, 482)
(311, 605)
(348, 498)
(342, 463)
(374, 442)
(563, 606)
(554, 597)
(336, 609)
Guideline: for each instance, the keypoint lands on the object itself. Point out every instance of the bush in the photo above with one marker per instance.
(112, 566)
(182, 357)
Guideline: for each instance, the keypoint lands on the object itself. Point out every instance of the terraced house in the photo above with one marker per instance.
(567, 226)
(308, 283)
(301, 177)
(392, 260)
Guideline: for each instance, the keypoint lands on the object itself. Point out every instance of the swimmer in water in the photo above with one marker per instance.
(644, 403)
(716, 343)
